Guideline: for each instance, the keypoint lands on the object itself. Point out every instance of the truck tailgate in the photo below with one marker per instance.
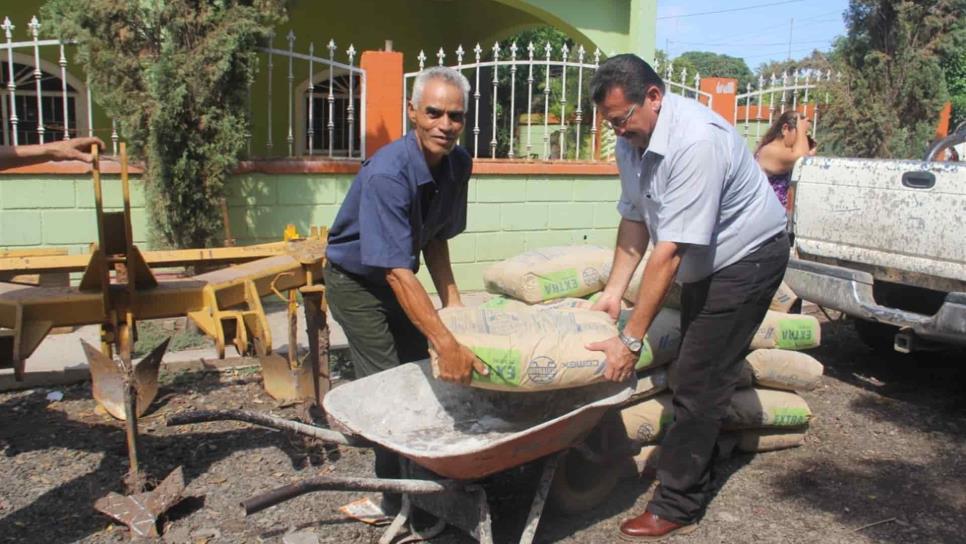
(904, 217)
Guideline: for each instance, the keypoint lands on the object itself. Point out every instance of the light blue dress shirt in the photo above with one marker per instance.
(698, 184)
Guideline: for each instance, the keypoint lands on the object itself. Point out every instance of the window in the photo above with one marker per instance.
(27, 112)
(319, 99)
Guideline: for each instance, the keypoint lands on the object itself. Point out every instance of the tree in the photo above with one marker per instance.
(677, 65)
(954, 66)
(715, 65)
(174, 74)
(892, 88)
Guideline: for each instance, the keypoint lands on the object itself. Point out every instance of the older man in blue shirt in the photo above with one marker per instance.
(407, 200)
(690, 186)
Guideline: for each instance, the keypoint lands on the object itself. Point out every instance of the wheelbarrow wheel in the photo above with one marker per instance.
(583, 481)
(581, 484)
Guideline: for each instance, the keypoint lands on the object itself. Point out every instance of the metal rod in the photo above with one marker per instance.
(593, 124)
(563, 101)
(351, 108)
(338, 483)
(265, 420)
(540, 498)
(330, 126)
(8, 27)
(530, 101)
(290, 137)
(546, 105)
(90, 110)
(34, 26)
(496, 81)
(271, 64)
(63, 91)
(580, 94)
(513, 96)
(310, 133)
(476, 95)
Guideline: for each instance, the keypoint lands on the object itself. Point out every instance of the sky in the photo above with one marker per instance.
(755, 30)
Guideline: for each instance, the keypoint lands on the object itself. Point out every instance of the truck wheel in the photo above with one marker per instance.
(881, 337)
(580, 484)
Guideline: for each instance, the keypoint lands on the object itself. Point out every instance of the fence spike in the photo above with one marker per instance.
(440, 55)
(422, 59)
(459, 55)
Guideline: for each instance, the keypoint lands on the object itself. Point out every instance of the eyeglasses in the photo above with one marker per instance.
(614, 125)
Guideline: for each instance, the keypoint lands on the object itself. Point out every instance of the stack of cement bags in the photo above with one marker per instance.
(765, 413)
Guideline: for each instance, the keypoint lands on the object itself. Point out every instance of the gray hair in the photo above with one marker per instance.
(442, 73)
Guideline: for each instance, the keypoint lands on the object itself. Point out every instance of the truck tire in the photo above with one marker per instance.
(881, 337)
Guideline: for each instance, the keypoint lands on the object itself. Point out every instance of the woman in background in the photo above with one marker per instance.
(785, 142)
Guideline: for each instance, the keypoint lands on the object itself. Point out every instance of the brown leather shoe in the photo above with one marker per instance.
(648, 527)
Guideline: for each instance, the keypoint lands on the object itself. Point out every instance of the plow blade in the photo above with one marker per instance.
(109, 375)
(285, 383)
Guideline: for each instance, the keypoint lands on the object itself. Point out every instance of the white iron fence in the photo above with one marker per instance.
(326, 110)
(680, 85)
(40, 100)
(542, 124)
(804, 90)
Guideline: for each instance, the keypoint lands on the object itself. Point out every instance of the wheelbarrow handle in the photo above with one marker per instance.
(265, 420)
(340, 483)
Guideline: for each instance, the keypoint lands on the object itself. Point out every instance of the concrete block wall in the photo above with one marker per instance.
(58, 211)
(508, 214)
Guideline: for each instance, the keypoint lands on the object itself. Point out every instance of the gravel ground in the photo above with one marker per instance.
(884, 461)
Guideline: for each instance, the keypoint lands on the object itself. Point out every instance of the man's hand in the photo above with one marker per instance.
(620, 361)
(77, 149)
(456, 363)
(609, 303)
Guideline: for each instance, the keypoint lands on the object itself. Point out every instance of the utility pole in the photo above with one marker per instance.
(791, 25)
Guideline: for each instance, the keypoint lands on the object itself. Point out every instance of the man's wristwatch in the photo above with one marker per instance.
(633, 344)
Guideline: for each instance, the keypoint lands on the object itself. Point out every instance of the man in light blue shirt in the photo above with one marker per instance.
(689, 186)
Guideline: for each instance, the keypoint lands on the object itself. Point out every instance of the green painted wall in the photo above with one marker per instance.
(507, 215)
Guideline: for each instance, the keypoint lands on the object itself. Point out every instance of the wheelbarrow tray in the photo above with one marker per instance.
(462, 432)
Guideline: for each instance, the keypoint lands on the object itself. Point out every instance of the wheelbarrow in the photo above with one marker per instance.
(449, 436)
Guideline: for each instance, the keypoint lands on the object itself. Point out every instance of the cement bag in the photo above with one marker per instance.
(671, 300)
(754, 408)
(549, 273)
(782, 369)
(649, 384)
(502, 302)
(662, 340)
(647, 458)
(646, 421)
(528, 350)
(759, 440)
(783, 300)
(787, 331)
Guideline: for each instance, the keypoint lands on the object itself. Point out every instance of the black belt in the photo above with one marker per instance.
(771, 240)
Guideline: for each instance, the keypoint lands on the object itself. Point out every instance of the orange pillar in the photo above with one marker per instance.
(723, 91)
(384, 96)
(942, 128)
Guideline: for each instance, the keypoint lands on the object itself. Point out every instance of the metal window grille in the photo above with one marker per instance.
(326, 111)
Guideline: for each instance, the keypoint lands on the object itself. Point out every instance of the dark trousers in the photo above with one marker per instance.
(719, 317)
(380, 337)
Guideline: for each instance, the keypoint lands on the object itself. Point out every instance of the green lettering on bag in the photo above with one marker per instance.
(789, 417)
(647, 356)
(504, 365)
(560, 284)
(795, 334)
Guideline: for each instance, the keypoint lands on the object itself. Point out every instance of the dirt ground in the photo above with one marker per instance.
(884, 461)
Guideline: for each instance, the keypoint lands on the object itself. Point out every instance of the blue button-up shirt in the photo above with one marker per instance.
(395, 207)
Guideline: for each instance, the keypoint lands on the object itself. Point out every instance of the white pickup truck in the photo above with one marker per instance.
(884, 241)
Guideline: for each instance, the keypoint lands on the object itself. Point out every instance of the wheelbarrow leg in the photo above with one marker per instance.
(540, 498)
